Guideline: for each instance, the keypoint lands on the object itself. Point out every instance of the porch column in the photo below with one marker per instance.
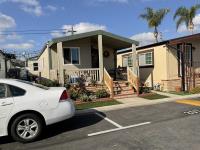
(100, 49)
(60, 63)
(135, 60)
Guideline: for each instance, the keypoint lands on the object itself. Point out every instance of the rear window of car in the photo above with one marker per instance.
(16, 91)
(2, 91)
(34, 84)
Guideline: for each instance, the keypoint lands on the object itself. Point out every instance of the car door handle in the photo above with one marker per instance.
(6, 104)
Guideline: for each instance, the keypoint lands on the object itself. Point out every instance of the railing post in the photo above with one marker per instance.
(111, 86)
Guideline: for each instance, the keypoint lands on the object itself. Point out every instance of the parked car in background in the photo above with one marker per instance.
(26, 108)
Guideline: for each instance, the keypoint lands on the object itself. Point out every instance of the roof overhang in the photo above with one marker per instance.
(113, 40)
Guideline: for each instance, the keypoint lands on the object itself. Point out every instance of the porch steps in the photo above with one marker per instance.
(122, 89)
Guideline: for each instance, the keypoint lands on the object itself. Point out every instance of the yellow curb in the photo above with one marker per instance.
(189, 102)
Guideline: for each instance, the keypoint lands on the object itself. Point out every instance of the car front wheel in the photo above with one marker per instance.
(26, 128)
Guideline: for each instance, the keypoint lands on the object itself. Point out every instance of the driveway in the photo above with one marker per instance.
(172, 125)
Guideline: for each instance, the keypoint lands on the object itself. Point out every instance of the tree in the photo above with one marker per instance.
(186, 16)
(154, 18)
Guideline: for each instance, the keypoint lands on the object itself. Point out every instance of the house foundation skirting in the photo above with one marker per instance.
(170, 85)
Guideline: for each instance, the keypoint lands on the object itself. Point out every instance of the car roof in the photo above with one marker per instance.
(16, 82)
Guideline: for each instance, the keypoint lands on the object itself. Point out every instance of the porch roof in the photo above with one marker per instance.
(110, 39)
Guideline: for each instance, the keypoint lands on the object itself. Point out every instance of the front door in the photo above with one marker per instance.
(6, 102)
(95, 58)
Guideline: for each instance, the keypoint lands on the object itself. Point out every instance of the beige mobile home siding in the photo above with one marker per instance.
(43, 63)
(30, 67)
(120, 58)
(85, 54)
(156, 74)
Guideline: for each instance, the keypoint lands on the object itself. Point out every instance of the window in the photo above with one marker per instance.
(35, 66)
(16, 91)
(2, 91)
(146, 59)
(127, 61)
(71, 55)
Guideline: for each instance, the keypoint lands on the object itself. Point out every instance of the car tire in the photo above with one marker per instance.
(26, 128)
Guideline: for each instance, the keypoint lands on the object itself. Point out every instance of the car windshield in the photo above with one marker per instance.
(34, 84)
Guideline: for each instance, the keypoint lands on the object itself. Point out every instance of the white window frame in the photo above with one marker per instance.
(71, 56)
(145, 53)
(36, 66)
(127, 56)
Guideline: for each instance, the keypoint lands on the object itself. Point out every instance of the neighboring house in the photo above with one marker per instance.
(32, 65)
(92, 55)
(5, 63)
(168, 65)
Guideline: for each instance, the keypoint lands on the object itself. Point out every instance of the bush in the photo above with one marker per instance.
(102, 93)
(47, 82)
(93, 82)
(144, 90)
(195, 90)
(73, 94)
(84, 98)
(67, 86)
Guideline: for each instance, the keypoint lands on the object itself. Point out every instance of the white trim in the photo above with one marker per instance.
(109, 120)
(71, 56)
(145, 53)
(118, 129)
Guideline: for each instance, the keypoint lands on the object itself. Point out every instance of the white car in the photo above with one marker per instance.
(26, 108)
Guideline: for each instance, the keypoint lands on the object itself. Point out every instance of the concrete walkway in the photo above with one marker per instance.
(137, 101)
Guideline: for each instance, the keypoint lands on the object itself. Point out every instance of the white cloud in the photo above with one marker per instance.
(6, 22)
(30, 6)
(80, 28)
(196, 21)
(144, 38)
(18, 46)
(13, 36)
(51, 7)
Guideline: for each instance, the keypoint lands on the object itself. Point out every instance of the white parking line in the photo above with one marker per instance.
(117, 129)
(110, 121)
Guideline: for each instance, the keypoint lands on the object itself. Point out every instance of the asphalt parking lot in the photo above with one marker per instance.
(121, 129)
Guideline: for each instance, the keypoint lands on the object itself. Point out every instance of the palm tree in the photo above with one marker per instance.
(154, 18)
(186, 16)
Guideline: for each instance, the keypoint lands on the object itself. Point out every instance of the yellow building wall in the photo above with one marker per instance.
(43, 63)
(120, 58)
(30, 67)
(154, 75)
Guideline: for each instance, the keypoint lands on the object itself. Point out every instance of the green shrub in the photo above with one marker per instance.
(67, 86)
(93, 82)
(73, 94)
(47, 82)
(93, 97)
(84, 98)
(102, 93)
(195, 90)
(144, 90)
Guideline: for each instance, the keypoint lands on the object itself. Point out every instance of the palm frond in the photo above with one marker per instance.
(181, 11)
(180, 21)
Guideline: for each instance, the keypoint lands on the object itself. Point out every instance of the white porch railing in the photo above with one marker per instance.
(87, 73)
(133, 79)
(108, 82)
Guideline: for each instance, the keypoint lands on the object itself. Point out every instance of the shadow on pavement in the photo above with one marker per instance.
(77, 122)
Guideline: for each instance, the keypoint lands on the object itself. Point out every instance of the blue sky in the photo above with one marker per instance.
(116, 16)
